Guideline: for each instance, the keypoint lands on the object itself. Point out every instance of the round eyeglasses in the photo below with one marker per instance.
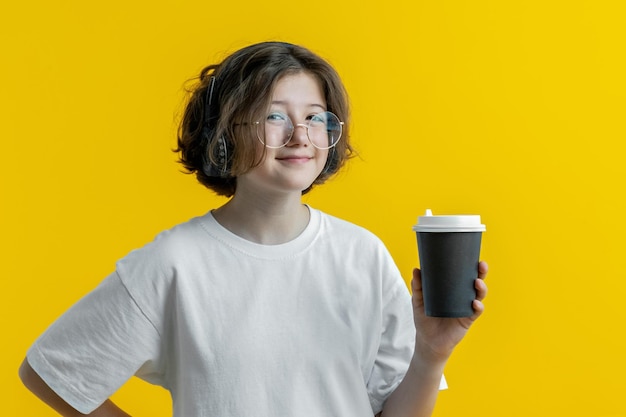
(323, 130)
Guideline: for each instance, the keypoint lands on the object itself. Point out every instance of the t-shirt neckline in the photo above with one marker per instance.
(257, 250)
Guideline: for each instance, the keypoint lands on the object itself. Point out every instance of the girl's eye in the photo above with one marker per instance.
(276, 117)
(317, 118)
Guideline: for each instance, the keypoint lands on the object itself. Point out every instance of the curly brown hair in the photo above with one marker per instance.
(212, 139)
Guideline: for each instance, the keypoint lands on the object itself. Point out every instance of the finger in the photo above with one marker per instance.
(481, 289)
(483, 268)
(416, 288)
(479, 308)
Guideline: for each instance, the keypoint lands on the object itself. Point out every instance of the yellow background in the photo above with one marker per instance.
(514, 110)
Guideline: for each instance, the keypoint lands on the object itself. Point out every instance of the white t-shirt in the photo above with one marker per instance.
(319, 326)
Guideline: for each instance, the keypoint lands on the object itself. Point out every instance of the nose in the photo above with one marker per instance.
(300, 135)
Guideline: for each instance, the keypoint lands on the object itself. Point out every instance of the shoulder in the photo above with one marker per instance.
(355, 243)
(182, 236)
(346, 231)
(169, 248)
(362, 255)
(150, 273)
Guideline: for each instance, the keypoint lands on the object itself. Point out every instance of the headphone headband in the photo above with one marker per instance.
(217, 165)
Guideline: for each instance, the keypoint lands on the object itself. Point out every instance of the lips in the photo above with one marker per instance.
(294, 158)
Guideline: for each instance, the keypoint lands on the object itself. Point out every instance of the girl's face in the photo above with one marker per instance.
(295, 166)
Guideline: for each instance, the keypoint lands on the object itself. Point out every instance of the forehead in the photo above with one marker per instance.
(299, 88)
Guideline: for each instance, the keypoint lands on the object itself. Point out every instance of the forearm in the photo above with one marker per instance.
(417, 393)
(38, 386)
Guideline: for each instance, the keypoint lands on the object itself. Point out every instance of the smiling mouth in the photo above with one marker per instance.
(294, 158)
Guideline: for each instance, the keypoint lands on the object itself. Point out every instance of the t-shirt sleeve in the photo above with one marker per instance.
(397, 343)
(96, 346)
(395, 349)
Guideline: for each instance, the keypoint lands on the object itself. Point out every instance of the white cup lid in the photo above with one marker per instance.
(449, 223)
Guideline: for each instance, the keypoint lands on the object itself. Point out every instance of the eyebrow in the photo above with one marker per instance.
(284, 103)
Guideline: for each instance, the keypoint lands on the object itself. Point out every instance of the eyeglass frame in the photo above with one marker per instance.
(306, 126)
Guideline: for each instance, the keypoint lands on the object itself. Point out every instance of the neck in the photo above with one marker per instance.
(263, 219)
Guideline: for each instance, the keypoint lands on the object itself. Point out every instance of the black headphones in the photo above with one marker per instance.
(218, 164)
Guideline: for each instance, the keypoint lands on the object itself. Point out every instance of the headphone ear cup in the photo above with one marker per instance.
(219, 164)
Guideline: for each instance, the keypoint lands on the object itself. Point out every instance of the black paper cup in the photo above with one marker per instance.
(449, 252)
